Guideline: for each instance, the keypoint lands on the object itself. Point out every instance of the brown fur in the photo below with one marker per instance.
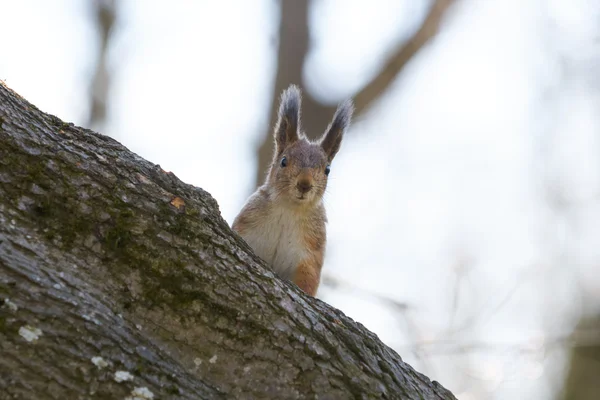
(307, 277)
(284, 220)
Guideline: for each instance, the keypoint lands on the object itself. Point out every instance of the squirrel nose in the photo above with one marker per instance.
(304, 185)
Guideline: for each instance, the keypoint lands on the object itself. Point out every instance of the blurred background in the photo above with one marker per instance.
(464, 205)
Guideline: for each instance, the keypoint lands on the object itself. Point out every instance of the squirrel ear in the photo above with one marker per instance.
(332, 138)
(288, 119)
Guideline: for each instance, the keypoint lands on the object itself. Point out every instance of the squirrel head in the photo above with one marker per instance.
(301, 167)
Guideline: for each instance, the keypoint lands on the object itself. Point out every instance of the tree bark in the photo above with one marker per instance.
(104, 254)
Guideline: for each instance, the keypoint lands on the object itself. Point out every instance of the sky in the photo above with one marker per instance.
(443, 196)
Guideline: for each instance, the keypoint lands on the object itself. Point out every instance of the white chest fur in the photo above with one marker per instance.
(277, 239)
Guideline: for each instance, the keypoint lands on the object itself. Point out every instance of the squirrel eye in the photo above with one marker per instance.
(327, 169)
(284, 162)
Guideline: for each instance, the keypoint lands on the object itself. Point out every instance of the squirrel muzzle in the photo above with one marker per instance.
(304, 182)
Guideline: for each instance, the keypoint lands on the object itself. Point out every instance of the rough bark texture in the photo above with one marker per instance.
(104, 254)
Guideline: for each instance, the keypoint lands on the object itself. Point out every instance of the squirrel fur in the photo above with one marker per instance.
(284, 220)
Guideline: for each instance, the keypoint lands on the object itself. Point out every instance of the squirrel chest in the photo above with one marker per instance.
(284, 239)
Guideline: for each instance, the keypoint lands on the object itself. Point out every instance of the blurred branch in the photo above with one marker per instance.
(580, 338)
(399, 308)
(480, 316)
(104, 18)
(336, 283)
(398, 60)
(294, 37)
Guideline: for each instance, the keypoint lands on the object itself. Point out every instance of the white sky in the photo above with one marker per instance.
(447, 165)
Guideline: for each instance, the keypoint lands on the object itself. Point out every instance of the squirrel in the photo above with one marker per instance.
(284, 220)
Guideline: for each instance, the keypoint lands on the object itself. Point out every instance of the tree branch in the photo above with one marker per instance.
(108, 264)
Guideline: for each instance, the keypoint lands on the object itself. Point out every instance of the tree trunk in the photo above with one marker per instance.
(117, 279)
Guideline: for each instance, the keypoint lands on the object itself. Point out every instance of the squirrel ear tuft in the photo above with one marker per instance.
(288, 119)
(332, 138)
